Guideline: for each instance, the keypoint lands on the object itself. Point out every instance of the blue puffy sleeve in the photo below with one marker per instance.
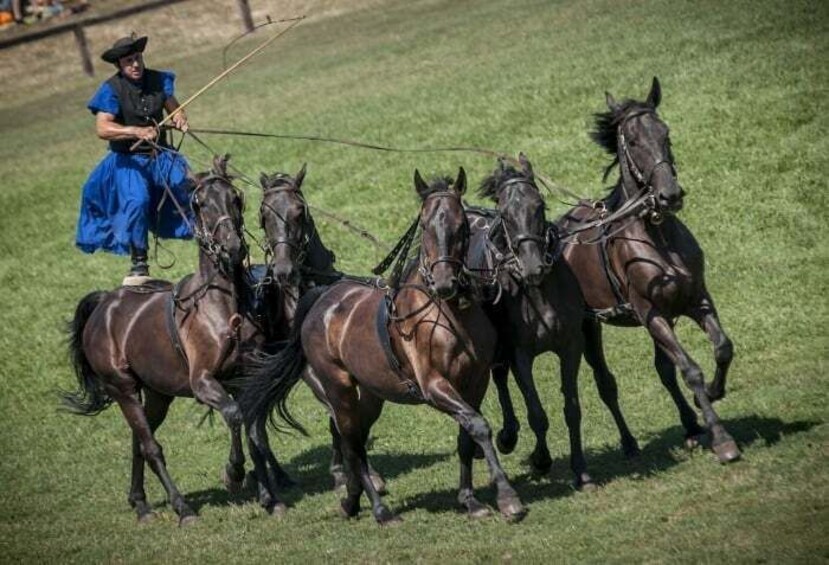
(104, 100)
(169, 83)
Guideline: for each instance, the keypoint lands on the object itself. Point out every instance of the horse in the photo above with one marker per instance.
(162, 341)
(538, 307)
(296, 260)
(639, 265)
(419, 340)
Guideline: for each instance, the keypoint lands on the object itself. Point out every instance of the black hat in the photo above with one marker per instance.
(123, 47)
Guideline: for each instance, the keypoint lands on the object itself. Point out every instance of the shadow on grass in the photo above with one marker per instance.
(310, 470)
(659, 453)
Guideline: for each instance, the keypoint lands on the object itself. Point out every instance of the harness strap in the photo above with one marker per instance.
(170, 318)
(622, 307)
(381, 324)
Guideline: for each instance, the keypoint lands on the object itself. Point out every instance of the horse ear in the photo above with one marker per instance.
(263, 180)
(300, 176)
(610, 101)
(526, 165)
(655, 95)
(220, 164)
(420, 185)
(460, 182)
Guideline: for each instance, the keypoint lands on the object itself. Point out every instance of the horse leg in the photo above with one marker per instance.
(345, 405)
(370, 409)
(150, 450)
(705, 314)
(445, 398)
(267, 482)
(466, 493)
(722, 443)
(667, 374)
(570, 359)
(155, 408)
(233, 475)
(507, 437)
(606, 383)
(522, 368)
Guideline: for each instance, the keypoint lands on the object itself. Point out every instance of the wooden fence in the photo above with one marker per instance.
(77, 26)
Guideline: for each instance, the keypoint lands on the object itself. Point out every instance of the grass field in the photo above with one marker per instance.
(745, 89)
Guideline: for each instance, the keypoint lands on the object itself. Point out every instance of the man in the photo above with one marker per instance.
(131, 190)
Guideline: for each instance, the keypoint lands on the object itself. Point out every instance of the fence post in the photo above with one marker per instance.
(80, 40)
(244, 11)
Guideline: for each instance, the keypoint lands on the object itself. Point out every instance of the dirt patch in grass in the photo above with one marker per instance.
(35, 70)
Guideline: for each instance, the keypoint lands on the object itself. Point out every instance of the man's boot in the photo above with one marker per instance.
(140, 269)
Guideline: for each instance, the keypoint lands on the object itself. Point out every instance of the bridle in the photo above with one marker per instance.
(206, 239)
(546, 242)
(643, 181)
(299, 246)
(427, 266)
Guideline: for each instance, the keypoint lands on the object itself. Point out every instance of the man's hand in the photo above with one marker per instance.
(180, 121)
(145, 133)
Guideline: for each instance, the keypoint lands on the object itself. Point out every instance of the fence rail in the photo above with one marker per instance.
(77, 27)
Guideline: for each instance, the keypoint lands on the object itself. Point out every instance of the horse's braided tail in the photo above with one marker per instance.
(90, 398)
(269, 378)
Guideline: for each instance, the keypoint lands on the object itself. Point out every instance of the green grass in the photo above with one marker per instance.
(744, 91)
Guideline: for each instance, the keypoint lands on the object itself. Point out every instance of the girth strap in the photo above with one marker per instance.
(170, 318)
(381, 324)
(622, 307)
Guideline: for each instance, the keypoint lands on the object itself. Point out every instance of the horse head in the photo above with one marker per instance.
(284, 217)
(637, 136)
(218, 209)
(524, 223)
(444, 233)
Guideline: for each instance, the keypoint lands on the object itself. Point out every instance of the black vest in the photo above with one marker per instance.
(141, 104)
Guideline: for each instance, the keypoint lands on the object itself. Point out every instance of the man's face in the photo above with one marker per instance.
(132, 66)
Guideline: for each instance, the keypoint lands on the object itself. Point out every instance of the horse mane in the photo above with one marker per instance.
(504, 172)
(606, 124)
(276, 179)
(438, 184)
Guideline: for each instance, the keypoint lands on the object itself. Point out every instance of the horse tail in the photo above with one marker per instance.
(90, 398)
(269, 378)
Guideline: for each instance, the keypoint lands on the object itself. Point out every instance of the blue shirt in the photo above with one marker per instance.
(105, 99)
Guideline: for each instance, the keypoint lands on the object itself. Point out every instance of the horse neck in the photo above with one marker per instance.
(209, 271)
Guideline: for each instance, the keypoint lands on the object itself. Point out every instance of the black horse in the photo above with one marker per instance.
(537, 306)
(644, 267)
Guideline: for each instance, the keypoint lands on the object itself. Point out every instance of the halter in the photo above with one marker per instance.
(207, 239)
(643, 180)
(547, 242)
(426, 266)
(300, 248)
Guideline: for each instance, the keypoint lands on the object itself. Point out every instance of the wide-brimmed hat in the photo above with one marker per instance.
(124, 47)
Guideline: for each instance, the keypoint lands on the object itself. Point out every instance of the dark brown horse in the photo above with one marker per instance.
(644, 267)
(160, 342)
(419, 341)
(538, 306)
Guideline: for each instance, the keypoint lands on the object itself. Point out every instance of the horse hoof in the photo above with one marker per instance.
(348, 509)
(232, 486)
(506, 442)
(727, 451)
(584, 483)
(692, 442)
(476, 510)
(512, 510)
(278, 510)
(378, 482)
(541, 464)
(187, 520)
(147, 518)
(386, 517)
